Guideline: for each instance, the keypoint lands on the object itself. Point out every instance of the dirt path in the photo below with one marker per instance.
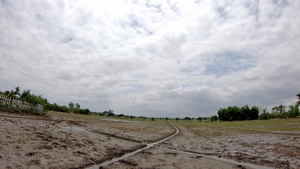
(242, 164)
(136, 151)
(160, 157)
(269, 149)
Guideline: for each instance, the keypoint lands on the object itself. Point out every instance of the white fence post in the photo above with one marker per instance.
(18, 103)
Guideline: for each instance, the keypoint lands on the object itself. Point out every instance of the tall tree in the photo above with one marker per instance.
(254, 113)
(12, 94)
(17, 91)
(71, 105)
(298, 102)
(77, 106)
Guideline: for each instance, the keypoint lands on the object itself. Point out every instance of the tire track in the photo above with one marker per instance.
(136, 151)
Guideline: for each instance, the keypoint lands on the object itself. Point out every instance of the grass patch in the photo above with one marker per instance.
(292, 124)
(12, 109)
(138, 125)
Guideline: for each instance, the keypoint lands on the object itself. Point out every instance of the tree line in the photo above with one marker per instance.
(245, 113)
(230, 113)
(233, 113)
(28, 96)
(238, 113)
(279, 112)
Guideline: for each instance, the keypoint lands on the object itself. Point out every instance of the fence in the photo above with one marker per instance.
(18, 103)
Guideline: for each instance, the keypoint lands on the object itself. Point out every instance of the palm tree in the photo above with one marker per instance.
(17, 91)
(298, 102)
(11, 94)
(25, 95)
(6, 93)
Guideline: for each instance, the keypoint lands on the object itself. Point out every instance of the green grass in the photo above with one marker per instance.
(94, 118)
(292, 124)
(12, 109)
(255, 125)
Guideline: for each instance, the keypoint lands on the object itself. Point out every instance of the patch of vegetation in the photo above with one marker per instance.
(238, 113)
(292, 124)
(25, 96)
(13, 109)
(279, 111)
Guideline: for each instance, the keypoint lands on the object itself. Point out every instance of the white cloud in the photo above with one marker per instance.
(152, 58)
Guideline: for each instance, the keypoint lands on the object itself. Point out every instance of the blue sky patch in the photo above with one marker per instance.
(227, 62)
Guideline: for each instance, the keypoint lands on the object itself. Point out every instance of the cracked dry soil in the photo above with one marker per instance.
(62, 141)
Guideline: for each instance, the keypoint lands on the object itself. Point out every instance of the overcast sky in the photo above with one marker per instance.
(154, 57)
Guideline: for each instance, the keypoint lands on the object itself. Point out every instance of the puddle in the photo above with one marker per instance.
(134, 152)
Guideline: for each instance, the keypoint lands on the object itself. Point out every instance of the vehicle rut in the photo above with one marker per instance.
(136, 151)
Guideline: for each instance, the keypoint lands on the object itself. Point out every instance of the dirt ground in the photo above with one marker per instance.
(263, 149)
(58, 142)
(271, 149)
(62, 140)
(168, 159)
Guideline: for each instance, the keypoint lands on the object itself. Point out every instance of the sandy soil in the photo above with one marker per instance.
(168, 159)
(265, 149)
(58, 142)
(73, 141)
(276, 150)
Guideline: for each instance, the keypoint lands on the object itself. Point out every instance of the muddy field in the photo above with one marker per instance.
(272, 149)
(62, 140)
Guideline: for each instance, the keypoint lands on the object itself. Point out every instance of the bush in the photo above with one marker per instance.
(13, 109)
(214, 118)
(238, 113)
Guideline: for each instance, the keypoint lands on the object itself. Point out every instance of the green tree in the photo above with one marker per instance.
(110, 113)
(71, 105)
(278, 111)
(85, 111)
(221, 114)
(297, 105)
(17, 92)
(34, 99)
(214, 118)
(264, 115)
(77, 106)
(187, 118)
(293, 111)
(245, 113)
(238, 113)
(200, 119)
(254, 113)
(7, 93)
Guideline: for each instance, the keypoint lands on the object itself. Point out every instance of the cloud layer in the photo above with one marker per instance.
(153, 58)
